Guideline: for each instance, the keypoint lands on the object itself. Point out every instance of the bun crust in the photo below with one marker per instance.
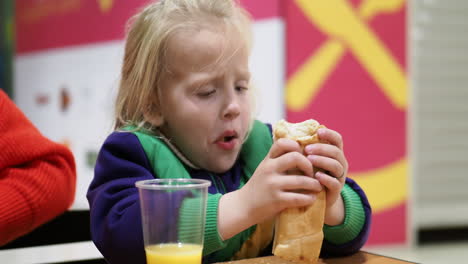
(298, 231)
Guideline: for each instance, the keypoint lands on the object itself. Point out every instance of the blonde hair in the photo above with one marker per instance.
(146, 47)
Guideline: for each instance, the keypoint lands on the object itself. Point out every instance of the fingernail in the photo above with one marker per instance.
(320, 187)
(321, 131)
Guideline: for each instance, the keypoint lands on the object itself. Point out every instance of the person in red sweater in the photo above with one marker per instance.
(37, 176)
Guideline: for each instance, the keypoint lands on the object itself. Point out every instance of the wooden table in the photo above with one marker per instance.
(358, 258)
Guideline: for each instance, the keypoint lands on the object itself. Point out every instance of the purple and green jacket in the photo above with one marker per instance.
(127, 157)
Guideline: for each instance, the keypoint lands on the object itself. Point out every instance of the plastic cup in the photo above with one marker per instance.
(173, 219)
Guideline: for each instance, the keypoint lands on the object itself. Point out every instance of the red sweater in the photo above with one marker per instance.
(37, 176)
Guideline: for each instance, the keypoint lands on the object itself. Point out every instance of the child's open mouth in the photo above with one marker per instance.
(227, 140)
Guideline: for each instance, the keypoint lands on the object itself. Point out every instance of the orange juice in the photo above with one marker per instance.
(174, 254)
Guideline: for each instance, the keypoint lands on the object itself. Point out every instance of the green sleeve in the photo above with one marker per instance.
(213, 243)
(190, 210)
(353, 222)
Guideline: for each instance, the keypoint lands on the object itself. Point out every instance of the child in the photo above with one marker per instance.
(184, 104)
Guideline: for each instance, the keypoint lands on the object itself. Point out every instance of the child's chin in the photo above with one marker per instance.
(223, 166)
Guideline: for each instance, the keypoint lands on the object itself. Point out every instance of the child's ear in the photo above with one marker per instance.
(156, 118)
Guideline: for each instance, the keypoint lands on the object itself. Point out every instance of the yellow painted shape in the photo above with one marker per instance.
(105, 5)
(174, 254)
(370, 8)
(303, 85)
(385, 187)
(307, 80)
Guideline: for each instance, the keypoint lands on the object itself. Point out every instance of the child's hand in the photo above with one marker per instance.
(331, 159)
(271, 189)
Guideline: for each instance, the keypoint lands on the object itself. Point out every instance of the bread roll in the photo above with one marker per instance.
(298, 231)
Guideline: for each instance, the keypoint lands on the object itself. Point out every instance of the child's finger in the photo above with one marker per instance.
(299, 182)
(332, 184)
(282, 146)
(294, 160)
(335, 168)
(325, 150)
(293, 199)
(331, 136)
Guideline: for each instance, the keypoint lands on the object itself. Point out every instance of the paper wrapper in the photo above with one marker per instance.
(298, 231)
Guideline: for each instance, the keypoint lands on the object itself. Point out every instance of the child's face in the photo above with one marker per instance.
(205, 101)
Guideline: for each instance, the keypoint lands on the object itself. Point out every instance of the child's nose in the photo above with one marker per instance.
(232, 109)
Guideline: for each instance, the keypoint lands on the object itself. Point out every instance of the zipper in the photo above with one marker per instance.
(222, 185)
(215, 180)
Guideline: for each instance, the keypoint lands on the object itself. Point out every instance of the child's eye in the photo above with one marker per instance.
(207, 93)
(241, 88)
